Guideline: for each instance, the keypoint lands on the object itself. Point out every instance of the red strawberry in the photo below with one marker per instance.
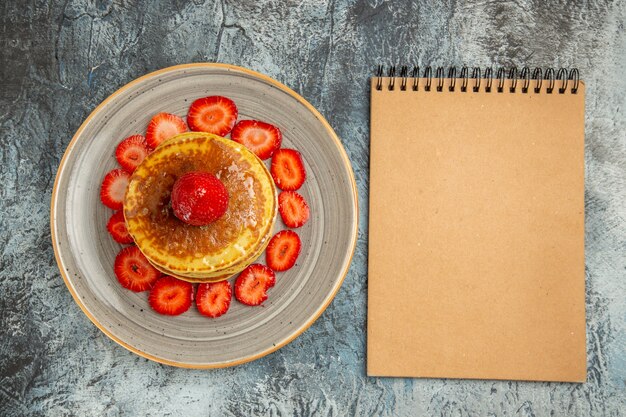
(199, 198)
(214, 114)
(213, 299)
(162, 127)
(283, 250)
(113, 188)
(170, 296)
(293, 208)
(133, 270)
(117, 228)
(131, 152)
(252, 284)
(261, 138)
(287, 169)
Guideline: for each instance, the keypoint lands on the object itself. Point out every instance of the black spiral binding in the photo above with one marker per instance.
(525, 77)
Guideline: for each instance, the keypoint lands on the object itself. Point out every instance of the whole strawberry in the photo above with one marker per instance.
(199, 198)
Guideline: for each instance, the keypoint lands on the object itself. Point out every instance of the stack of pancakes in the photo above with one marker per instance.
(208, 253)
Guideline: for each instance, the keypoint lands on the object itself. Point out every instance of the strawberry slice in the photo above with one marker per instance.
(162, 127)
(283, 250)
(131, 151)
(263, 139)
(113, 188)
(117, 228)
(287, 169)
(213, 299)
(252, 284)
(293, 208)
(213, 114)
(133, 270)
(170, 296)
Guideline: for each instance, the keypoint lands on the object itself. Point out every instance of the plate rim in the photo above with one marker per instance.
(321, 308)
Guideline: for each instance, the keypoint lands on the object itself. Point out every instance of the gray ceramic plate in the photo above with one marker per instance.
(85, 252)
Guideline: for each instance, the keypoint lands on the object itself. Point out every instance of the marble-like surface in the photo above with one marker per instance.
(60, 59)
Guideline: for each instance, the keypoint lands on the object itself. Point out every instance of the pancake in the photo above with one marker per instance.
(184, 136)
(205, 253)
(193, 280)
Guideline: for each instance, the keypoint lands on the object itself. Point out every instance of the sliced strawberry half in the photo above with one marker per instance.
(117, 228)
(113, 188)
(131, 152)
(263, 139)
(170, 296)
(213, 299)
(252, 284)
(283, 250)
(293, 209)
(133, 270)
(213, 114)
(288, 169)
(162, 127)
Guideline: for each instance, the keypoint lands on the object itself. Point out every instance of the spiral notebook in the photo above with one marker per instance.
(476, 225)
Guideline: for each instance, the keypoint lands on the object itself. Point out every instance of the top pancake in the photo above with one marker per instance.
(206, 250)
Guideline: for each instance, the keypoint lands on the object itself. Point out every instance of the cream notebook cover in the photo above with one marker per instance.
(476, 227)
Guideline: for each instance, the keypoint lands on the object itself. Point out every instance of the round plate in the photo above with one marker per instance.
(85, 252)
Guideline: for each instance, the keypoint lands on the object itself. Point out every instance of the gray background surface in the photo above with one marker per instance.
(60, 59)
